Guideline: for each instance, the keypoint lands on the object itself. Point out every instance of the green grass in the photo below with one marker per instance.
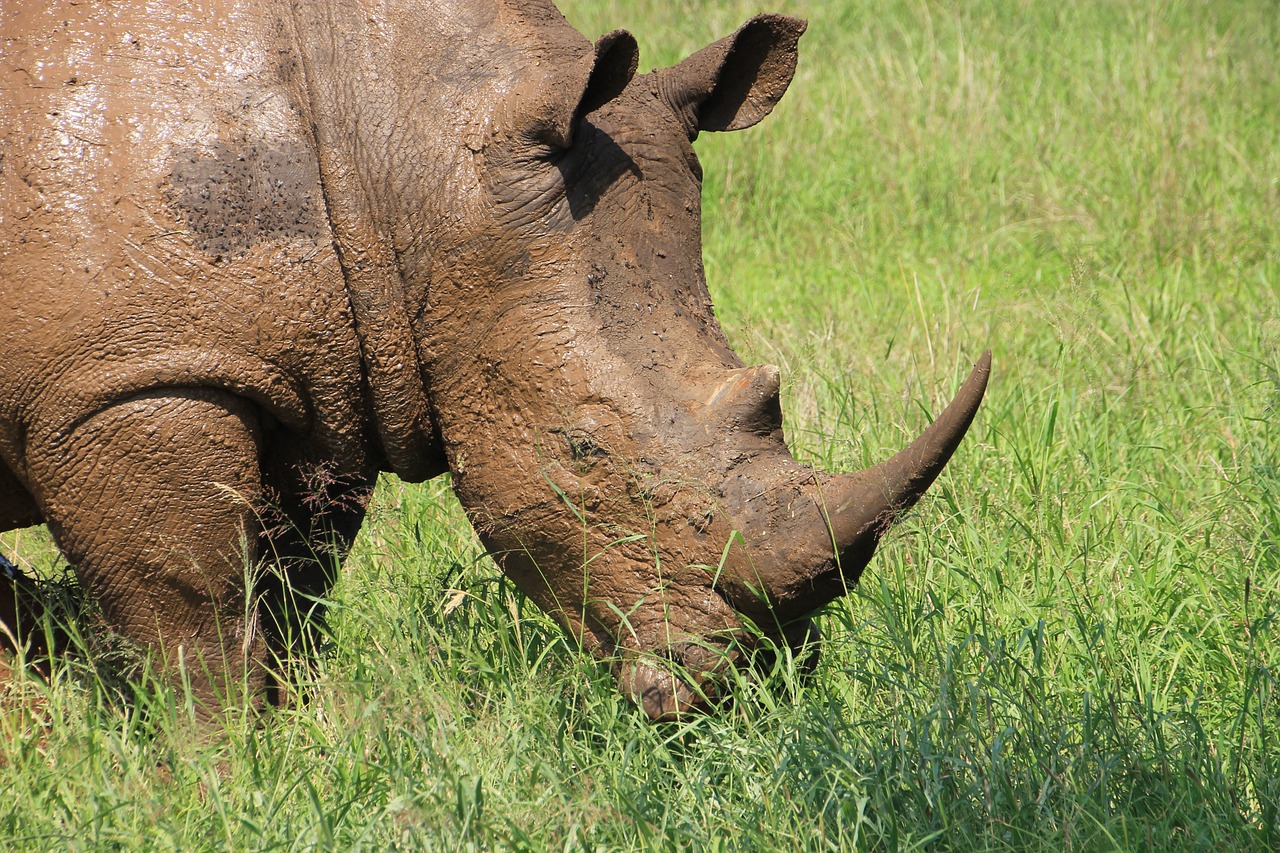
(1071, 644)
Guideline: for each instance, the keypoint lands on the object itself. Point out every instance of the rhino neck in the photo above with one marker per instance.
(399, 94)
(362, 224)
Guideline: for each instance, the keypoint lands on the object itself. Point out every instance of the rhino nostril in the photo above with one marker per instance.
(662, 696)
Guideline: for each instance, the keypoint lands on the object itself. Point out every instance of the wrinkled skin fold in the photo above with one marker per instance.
(257, 252)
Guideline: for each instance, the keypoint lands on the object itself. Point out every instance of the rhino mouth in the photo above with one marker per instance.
(697, 677)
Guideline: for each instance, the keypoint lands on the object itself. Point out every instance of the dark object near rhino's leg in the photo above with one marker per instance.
(21, 610)
(17, 509)
(308, 531)
(22, 624)
(22, 607)
(154, 500)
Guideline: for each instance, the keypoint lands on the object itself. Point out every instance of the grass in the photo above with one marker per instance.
(1071, 644)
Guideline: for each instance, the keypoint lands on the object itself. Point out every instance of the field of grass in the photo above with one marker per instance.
(1072, 643)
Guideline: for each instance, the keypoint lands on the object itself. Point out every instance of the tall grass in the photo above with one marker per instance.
(1071, 644)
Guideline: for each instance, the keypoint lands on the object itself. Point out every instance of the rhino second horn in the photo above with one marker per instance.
(748, 400)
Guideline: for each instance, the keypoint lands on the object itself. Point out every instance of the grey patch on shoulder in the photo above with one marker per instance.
(234, 197)
(287, 67)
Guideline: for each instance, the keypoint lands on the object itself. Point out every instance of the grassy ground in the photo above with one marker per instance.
(1072, 644)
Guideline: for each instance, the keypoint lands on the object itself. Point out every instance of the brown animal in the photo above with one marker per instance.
(254, 252)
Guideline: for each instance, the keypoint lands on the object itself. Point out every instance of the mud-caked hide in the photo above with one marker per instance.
(255, 254)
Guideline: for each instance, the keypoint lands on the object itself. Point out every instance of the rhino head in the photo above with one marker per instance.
(620, 462)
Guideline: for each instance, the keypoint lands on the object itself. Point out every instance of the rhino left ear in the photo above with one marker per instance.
(599, 78)
(735, 82)
(617, 57)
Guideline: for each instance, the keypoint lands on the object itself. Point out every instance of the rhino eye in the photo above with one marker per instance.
(583, 446)
(584, 449)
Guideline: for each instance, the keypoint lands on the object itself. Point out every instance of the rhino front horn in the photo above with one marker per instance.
(810, 535)
(861, 506)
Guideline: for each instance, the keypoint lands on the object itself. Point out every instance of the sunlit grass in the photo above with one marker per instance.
(1070, 644)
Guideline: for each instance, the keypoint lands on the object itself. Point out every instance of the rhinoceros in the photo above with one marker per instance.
(255, 252)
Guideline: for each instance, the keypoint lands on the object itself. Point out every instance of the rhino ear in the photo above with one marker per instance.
(617, 57)
(599, 78)
(735, 82)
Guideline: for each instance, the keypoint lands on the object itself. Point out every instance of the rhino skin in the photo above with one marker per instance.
(253, 253)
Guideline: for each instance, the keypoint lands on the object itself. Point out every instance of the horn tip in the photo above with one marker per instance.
(976, 385)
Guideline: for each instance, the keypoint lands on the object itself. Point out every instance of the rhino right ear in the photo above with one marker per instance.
(735, 82)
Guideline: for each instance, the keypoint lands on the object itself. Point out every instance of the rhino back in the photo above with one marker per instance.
(162, 220)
